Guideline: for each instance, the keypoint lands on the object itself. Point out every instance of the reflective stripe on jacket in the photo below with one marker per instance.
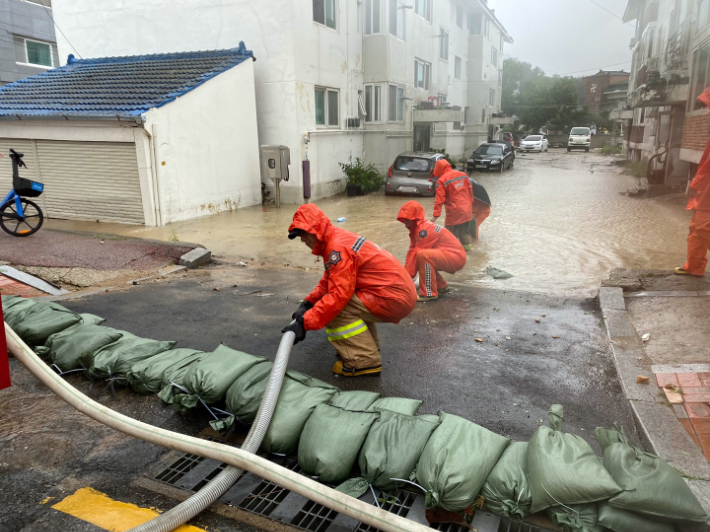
(454, 192)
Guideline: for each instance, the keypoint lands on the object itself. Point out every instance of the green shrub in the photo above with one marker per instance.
(611, 149)
(637, 168)
(368, 178)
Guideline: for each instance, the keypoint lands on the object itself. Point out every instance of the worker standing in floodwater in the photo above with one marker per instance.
(481, 207)
(362, 284)
(432, 249)
(453, 191)
(699, 203)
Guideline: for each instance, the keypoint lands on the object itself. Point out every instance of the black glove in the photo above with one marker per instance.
(297, 328)
(302, 309)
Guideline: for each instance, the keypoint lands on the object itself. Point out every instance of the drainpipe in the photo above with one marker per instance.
(154, 171)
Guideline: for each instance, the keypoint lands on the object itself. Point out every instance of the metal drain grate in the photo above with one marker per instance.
(216, 471)
(179, 468)
(396, 502)
(267, 495)
(314, 517)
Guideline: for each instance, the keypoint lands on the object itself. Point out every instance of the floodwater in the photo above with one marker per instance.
(558, 224)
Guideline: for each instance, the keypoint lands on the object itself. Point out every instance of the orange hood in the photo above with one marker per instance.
(705, 97)
(411, 210)
(441, 167)
(311, 219)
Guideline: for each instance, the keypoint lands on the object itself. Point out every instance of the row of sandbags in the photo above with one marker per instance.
(335, 433)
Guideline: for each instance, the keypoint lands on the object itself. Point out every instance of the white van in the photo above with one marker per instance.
(579, 138)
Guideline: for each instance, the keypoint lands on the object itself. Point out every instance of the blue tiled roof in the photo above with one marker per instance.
(115, 87)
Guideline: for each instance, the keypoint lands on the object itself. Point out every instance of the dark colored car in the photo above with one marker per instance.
(508, 143)
(491, 156)
(412, 174)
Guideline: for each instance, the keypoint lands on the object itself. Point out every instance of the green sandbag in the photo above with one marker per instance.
(429, 417)
(244, 396)
(172, 381)
(210, 378)
(146, 376)
(564, 469)
(299, 396)
(86, 319)
(42, 320)
(651, 486)
(391, 451)
(456, 462)
(507, 488)
(618, 520)
(115, 360)
(577, 518)
(401, 405)
(14, 309)
(77, 348)
(355, 400)
(331, 441)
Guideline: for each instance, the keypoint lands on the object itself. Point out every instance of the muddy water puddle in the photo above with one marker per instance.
(558, 224)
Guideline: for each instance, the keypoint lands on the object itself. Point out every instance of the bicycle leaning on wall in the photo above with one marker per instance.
(18, 215)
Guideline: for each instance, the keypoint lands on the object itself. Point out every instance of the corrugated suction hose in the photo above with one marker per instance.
(238, 458)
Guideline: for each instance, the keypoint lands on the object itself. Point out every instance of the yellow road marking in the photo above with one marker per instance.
(99, 509)
(47, 500)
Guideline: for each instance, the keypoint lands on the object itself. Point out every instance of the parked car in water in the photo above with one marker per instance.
(580, 138)
(508, 143)
(412, 174)
(534, 143)
(491, 156)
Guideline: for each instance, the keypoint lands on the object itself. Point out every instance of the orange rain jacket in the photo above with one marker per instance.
(353, 265)
(453, 190)
(701, 181)
(425, 234)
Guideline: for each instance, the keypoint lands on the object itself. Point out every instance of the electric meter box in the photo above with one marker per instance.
(275, 161)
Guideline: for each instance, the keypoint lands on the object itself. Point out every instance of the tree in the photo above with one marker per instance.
(516, 74)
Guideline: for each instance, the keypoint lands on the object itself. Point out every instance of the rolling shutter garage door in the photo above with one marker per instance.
(90, 180)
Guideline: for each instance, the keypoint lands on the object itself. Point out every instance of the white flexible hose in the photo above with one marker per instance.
(218, 486)
(318, 493)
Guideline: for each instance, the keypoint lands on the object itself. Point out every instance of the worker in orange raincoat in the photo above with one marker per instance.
(699, 203)
(362, 284)
(453, 191)
(432, 249)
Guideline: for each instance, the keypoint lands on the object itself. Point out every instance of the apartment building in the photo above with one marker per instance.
(335, 79)
(27, 42)
(669, 70)
(595, 87)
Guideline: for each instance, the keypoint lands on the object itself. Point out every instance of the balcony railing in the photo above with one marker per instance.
(677, 48)
(641, 76)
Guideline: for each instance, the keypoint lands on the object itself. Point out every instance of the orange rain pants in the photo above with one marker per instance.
(429, 263)
(481, 211)
(698, 243)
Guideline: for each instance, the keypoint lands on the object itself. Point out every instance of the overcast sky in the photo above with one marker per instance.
(565, 36)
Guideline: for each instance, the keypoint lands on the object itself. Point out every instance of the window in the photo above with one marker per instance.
(701, 75)
(593, 88)
(492, 98)
(442, 99)
(486, 27)
(324, 12)
(327, 107)
(459, 16)
(494, 56)
(502, 40)
(422, 74)
(703, 15)
(396, 104)
(423, 9)
(38, 53)
(500, 78)
(474, 24)
(373, 103)
(444, 44)
(397, 12)
(650, 43)
(457, 67)
(372, 16)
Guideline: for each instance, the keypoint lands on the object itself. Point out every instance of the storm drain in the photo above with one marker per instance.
(261, 497)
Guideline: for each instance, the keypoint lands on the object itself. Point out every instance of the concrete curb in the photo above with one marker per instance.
(659, 428)
(111, 236)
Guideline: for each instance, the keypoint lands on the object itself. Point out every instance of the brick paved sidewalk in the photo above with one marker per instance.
(11, 287)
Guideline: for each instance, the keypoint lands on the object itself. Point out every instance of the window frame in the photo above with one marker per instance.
(475, 24)
(426, 68)
(27, 55)
(492, 97)
(398, 103)
(427, 9)
(703, 25)
(400, 9)
(325, 3)
(693, 104)
(326, 107)
(443, 44)
(458, 67)
(373, 107)
(486, 26)
(459, 15)
(370, 21)
(494, 56)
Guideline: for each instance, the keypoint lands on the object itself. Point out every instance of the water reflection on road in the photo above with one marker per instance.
(558, 224)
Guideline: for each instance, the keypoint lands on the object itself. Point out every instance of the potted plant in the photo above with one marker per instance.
(361, 179)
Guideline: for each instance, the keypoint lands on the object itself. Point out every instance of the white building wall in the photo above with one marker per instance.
(207, 149)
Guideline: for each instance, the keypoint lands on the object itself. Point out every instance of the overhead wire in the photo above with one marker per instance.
(46, 10)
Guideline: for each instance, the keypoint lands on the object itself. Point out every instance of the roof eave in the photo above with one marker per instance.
(631, 12)
(18, 117)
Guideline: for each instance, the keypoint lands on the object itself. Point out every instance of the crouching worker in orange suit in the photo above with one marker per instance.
(453, 191)
(362, 284)
(432, 249)
(699, 233)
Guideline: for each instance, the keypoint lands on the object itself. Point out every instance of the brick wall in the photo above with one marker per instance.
(696, 131)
